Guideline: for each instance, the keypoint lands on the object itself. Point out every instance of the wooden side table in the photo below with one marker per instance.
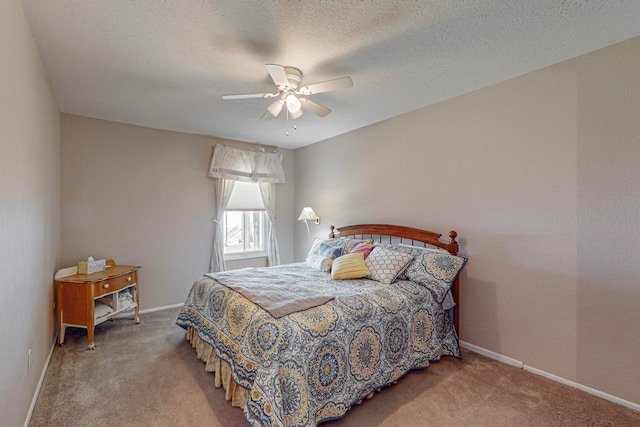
(78, 295)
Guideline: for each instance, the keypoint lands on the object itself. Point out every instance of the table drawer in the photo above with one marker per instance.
(115, 284)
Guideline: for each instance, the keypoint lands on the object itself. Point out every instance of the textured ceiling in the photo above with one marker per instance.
(166, 64)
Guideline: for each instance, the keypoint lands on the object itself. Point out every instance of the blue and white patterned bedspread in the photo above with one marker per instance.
(313, 365)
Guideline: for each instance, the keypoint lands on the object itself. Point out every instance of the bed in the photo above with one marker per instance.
(299, 344)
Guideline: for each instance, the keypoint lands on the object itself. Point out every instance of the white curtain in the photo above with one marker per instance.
(230, 164)
(224, 188)
(268, 192)
(243, 165)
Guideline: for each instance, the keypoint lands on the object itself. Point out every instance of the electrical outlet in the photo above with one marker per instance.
(29, 361)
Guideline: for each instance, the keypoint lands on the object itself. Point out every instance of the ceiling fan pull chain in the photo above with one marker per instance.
(287, 129)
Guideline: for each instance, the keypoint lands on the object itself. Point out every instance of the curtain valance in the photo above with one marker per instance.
(243, 165)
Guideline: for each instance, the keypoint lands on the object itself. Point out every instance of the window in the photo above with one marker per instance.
(244, 222)
(243, 232)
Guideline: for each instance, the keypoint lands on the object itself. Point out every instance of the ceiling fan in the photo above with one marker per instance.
(287, 80)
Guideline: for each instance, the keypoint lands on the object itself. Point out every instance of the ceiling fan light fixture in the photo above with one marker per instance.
(275, 107)
(295, 114)
(293, 104)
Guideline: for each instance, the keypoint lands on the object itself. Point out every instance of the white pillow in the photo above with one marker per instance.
(319, 262)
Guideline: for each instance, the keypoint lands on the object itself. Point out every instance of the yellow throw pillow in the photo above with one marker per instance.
(350, 266)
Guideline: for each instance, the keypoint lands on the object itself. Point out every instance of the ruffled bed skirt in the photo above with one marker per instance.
(233, 392)
(236, 394)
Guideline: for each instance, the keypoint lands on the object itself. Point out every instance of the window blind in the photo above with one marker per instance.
(245, 197)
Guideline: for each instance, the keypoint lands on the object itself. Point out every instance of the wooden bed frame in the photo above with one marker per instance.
(400, 234)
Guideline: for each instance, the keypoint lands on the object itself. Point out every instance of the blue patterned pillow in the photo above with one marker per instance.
(416, 251)
(327, 251)
(347, 244)
(435, 270)
(386, 265)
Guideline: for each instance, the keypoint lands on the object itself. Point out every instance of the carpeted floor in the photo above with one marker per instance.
(148, 375)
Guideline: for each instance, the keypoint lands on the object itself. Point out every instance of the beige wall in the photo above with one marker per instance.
(142, 196)
(608, 219)
(29, 213)
(539, 177)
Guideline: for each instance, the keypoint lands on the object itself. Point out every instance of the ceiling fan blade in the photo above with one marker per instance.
(278, 74)
(250, 95)
(266, 116)
(314, 107)
(326, 86)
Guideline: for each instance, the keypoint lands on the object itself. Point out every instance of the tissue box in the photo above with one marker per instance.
(88, 267)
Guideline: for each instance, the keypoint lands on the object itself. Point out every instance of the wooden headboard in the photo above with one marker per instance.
(386, 233)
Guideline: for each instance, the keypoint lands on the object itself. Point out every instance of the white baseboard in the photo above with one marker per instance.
(584, 388)
(490, 354)
(40, 382)
(165, 307)
(509, 361)
(127, 314)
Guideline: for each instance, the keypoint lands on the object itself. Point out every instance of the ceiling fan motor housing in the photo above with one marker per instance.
(294, 75)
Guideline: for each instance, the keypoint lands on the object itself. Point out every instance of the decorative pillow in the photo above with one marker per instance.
(386, 265)
(328, 251)
(365, 248)
(436, 271)
(319, 262)
(416, 251)
(347, 244)
(432, 249)
(314, 247)
(317, 242)
(350, 266)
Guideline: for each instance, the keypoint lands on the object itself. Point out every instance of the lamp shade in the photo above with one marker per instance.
(275, 107)
(296, 114)
(307, 214)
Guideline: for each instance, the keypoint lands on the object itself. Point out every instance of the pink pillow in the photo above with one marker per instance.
(364, 248)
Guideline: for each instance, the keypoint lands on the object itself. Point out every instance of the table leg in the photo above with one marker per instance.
(61, 328)
(91, 321)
